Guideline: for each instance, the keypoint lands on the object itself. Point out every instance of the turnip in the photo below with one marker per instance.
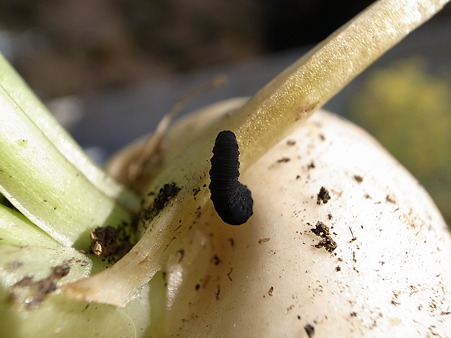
(343, 241)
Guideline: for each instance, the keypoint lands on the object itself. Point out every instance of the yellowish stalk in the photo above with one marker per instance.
(316, 77)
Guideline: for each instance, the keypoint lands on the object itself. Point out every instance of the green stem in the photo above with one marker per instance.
(37, 177)
(17, 89)
(17, 230)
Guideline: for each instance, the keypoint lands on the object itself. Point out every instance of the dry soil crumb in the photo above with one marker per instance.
(166, 193)
(310, 330)
(322, 230)
(36, 291)
(263, 240)
(323, 196)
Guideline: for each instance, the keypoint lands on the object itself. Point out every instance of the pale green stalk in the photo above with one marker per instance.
(16, 229)
(31, 106)
(47, 188)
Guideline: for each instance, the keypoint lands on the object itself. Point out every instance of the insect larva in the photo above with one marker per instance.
(232, 200)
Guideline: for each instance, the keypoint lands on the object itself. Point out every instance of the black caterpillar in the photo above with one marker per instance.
(232, 200)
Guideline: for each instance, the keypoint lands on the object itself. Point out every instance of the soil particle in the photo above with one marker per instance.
(166, 193)
(26, 281)
(216, 260)
(311, 165)
(270, 291)
(310, 330)
(181, 254)
(283, 160)
(38, 290)
(328, 243)
(304, 110)
(390, 199)
(322, 230)
(103, 241)
(323, 196)
(196, 191)
(358, 179)
(60, 271)
(218, 292)
(108, 241)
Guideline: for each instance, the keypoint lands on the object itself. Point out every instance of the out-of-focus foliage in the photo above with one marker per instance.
(409, 110)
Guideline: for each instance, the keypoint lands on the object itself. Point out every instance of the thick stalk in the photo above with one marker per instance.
(47, 188)
(30, 105)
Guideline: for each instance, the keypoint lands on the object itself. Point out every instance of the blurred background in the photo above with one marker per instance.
(110, 69)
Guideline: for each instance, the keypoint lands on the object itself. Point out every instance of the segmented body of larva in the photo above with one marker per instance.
(232, 200)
